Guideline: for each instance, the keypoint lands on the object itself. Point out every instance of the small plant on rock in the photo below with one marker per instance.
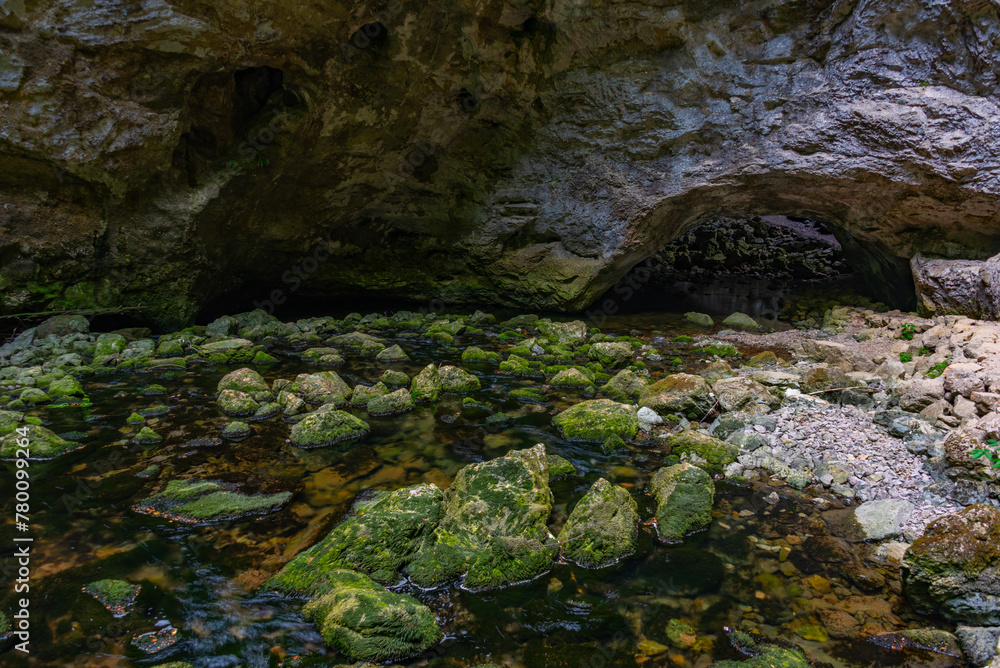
(937, 369)
(905, 357)
(907, 331)
(989, 452)
(924, 351)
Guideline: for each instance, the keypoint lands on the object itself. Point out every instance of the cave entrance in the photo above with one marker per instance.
(771, 268)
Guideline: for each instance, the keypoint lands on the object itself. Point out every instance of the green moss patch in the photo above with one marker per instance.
(42, 443)
(703, 450)
(603, 527)
(595, 420)
(684, 496)
(117, 596)
(326, 426)
(195, 501)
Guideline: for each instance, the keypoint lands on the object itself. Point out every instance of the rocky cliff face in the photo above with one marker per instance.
(157, 155)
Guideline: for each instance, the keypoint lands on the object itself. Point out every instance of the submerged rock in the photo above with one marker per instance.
(203, 501)
(368, 623)
(117, 596)
(680, 393)
(494, 528)
(380, 537)
(603, 527)
(596, 420)
(42, 443)
(684, 496)
(326, 426)
(762, 654)
(954, 568)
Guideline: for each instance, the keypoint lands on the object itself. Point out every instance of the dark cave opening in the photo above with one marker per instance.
(771, 268)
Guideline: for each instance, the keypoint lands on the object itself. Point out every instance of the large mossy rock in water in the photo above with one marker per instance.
(954, 568)
(326, 426)
(42, 443)
(680, 393)
(494, 527)
(426, 385)
(380, 537)
(248, 381)
(703, 450)
(684, 495)
(597, 420)
(368, 623)
(603, 527)
(762, 654)
(625, 386)
(325, 387)
(454, 379)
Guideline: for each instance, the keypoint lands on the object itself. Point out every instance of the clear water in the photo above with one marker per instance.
(199, 582)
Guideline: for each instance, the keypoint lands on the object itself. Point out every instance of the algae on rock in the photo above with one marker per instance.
(684, 496)
(603, 527)
(596, 420)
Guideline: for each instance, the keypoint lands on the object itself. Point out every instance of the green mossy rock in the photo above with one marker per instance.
(326, 426)
(719, 349)
(392, 354)
(33, 395)
(135, 419)
(700, 319)
(380, 537)
(528, 395)
(517, 366)
(772, 657)
(595, 420)
(204, 501)
(325, 387)
(147, 436)
(572, 333)
(363, 394)
(109, 345)
(235, 431)
(559, 467)
(703, 450)
(356, 341)
(67, 386)
(393, 378)
(473, 408)
(454, 379)
(9, 421)
(364, 621)
(741, 321)
(237, 404)
(42, 443)
(426, 385)
(611, 354)
(326, 356)
(625, 386)
(117, 596)
(476, 355)
(603, 527)
(571, 378)
(247, 381)
(684, 495)
(681, 393)
(954, 568)
(228, 351)
(494, 527)
(762, 359)
(399, 401)
(260, 357)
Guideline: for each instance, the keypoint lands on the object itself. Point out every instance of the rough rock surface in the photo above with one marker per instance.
(684, 495)
(520, 153)
(602, 528)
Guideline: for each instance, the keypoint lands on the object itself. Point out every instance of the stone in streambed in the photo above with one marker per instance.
(741, 321)
(247, 381)
(237, 404)
(611, 354)
(364, 621)
(326, 426)
(117, 596)
(571, 378)
(236, 431)
(392, 354)
(494, 527)
(325, 387)
(596, 420)
(379, 538)
(426, 385)
(679, 393)
(203, 501)
(454, 379)
(364, 394)
(392, 403)
(684, 496)
(700, 319)
(744, 395)
(603, 527)
(703, 450)
(625, 386)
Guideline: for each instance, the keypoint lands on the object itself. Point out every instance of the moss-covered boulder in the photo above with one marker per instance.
(380, 537)
(228, 351)
(769, 656)
(595, 420)
(494, 527)
(741, 321)
(392, 354)
(236, 430)
(117, 596)
(204, 501)
(66, 387)
(399, 401)
(247, 381)
(364, 621)
(426, 385)
(625, 386)
(528, 395)
(394, 378)
(559, 467)
(680, 393)
(476, 355)
(109, 345)
(744, 395)
(719, 349)
(356, 341)
(42, 443)
(703, 450)
(571, 378)
(147, 436)
(237, 404)
(603, 527)
(324, 356)
(34, 396)
(9, 421)
(363, 394)
(684, 495)
(572, 333)
(520, 367)
(326, 426)
(611, 354)
(454, 379)
(700, 319)
(954, 568)
(325, 387)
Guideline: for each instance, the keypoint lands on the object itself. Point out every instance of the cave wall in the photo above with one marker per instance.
(159, 155)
